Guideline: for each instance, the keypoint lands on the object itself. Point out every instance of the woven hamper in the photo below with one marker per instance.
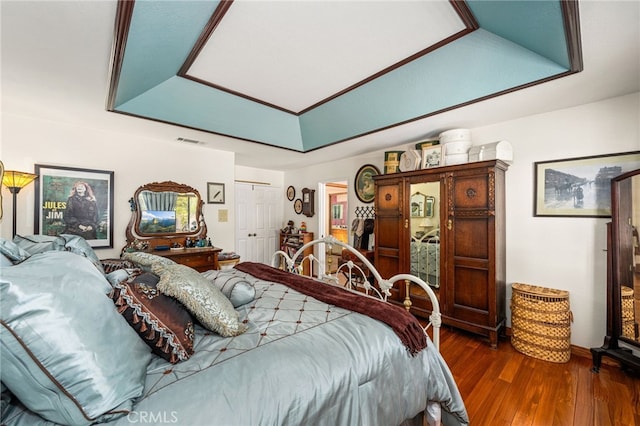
(628, 314)
(541, 322)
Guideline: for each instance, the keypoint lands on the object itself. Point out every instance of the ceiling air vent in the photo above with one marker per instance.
(187, 140)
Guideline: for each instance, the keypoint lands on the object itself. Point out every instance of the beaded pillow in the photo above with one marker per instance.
(146, 260)
(162, 322)
(204, 300)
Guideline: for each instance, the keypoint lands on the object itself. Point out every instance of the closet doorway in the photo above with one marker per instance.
(258, 219)
(335, 218)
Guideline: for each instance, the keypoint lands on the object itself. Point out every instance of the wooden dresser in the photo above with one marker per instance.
(199, 258)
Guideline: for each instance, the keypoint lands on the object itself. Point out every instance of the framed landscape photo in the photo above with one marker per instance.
(74, 201)
(579, 187)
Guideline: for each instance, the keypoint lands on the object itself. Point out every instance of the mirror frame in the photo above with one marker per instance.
(422, 206)
(617, 268)
(132, 232)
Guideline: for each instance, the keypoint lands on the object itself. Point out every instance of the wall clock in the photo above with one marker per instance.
(291, 193)
(308, 202)
(297, 206)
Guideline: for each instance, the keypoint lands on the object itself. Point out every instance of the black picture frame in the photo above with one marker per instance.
(215, 193)
(581, 186)
(363, 183)
(291, 193)
(54, 190)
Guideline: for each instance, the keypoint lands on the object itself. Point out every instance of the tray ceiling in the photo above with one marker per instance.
(307, 74)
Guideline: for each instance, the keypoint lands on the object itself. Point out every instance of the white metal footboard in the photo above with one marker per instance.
(357, 275)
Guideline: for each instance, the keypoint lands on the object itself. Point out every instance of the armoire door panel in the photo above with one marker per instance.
(389, 196)
(387, 232)
(471, 237)
(471, 192)
(471, 288)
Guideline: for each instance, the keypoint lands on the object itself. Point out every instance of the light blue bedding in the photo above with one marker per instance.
(301, 362)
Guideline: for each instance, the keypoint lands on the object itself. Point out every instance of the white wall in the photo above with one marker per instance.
(135, 161)
(562, 253)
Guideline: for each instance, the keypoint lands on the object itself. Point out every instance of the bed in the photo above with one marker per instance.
(288, 359)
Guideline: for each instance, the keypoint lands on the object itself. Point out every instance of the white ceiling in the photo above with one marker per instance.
(55, 65)
(329, 45)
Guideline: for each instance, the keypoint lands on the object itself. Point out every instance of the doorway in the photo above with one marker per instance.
(259, 215)
(333, 219)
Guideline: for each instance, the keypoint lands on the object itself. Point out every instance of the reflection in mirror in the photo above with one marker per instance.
(628, 254)
(167, 212)
(425, 232)
(418, 204)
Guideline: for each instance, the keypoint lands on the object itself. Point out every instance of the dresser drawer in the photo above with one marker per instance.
(200, 259)
(196, 260)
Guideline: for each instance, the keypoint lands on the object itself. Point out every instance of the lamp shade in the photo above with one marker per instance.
(15, 181)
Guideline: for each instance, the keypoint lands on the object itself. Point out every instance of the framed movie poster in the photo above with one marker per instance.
(75, 201)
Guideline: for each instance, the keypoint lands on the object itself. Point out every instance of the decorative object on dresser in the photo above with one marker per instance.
(74, 201)
(167, 220)
(464, 239)
(623, 275)
(363, 184)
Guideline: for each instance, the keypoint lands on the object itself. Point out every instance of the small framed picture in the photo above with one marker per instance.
(215, 193)
(431, 157)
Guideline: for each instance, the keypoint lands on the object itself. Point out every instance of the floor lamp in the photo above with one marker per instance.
(15, 181)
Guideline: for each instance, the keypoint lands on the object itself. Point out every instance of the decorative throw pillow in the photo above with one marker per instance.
(114, 277)
(238, 290)
(66, 353)
(110, 265)
(163, 323)
(146, 260)
(214, 311)
(11, 250)
(78, 245)
(35, 244)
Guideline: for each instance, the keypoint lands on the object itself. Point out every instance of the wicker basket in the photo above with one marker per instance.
(628, 313)
(541, 322)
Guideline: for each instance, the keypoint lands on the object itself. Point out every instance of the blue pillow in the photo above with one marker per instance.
(238, 290)
(78, 245)
(12, 251)
(67, 354)
(35, 244)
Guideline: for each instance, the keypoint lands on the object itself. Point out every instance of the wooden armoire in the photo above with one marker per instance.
(470, 222)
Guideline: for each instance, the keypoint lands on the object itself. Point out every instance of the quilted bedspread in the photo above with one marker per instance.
(301, 362)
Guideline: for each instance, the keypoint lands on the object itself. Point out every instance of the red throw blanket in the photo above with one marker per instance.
(405, 325)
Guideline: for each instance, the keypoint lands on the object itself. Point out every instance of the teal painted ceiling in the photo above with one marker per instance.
(508, 45)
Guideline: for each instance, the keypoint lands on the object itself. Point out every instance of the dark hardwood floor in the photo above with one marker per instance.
(505, 387)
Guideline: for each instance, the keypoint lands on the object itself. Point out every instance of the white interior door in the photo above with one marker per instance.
(259, 216)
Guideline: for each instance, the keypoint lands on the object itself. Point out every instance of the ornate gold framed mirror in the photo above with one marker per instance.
(165, 214)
